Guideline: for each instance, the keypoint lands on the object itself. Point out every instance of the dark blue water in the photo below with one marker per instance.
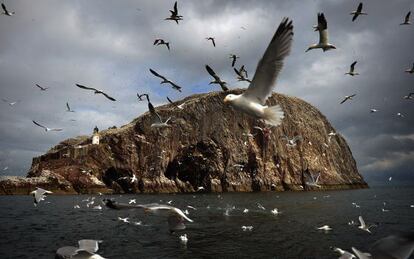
(30, 232)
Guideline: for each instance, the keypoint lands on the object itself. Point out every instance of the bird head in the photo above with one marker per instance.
(230, 98)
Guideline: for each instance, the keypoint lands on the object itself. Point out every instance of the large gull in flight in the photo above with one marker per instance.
(253, 100)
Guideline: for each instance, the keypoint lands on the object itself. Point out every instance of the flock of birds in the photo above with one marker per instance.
(394, 246)
(252, 102)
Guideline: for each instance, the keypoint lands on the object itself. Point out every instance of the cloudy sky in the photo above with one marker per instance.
(108, 45)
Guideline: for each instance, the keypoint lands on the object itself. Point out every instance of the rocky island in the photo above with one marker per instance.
(209, 147)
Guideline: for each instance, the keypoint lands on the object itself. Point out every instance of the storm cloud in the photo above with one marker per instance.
(108, 45)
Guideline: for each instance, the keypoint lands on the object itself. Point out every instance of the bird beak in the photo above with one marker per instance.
(226, 100)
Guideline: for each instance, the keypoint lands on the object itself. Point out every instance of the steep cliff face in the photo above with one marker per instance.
(208, 145)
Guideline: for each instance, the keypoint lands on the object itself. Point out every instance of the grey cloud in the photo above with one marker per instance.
(108, 45)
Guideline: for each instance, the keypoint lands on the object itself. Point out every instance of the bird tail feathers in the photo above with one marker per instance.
(273, 115)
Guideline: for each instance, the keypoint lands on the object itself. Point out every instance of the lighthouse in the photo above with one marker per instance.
(95, 136)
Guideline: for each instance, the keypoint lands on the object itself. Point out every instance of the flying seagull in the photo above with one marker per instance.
(6, 12)
(87, 249)
(322, 27)
(407, 19)
(357, 12)
(158, 123)
(347, 97)
(139, 96)
(373, 110)
(409, 96)
(181, 106)
(96, 91)
(162, 42)
(410, 70)
(176, 216)
(233, 58)
(39, 195)
(253, 100)
(212, 41)
(344, 254)
(312, 181)
(68, 109)
(10, 103)
(395, 246)
(217, 79)
(165, 80)
(363, 226)
(352, 69)
(174, 14)
(292, 142)
(324, 228)
(240, 74)
(42, 88)
(46, 128)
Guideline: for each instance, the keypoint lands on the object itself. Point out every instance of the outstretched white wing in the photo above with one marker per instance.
(89, 245)
(172, 209)
(361, 220)
(271, 63)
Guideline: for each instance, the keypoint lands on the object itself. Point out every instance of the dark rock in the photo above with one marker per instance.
(201, 148)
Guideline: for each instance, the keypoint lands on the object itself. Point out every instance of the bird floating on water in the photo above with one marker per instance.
(358, 12)
(96, 91)
(275, 211)
(217, 79)
(252, 101)
(165, 80)
(322, 27)
(373, 110)
(247, 228)
(347, 97)
(5, 11)
(352, 69)
(46, 128)
(184, 239)
(407, 19)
